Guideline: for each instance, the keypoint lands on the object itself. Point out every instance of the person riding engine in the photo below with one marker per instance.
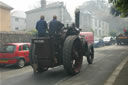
(55, 26)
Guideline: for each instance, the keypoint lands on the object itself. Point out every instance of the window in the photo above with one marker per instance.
(103, 25)
(16, 19)
(96, 31)
(99, 23)
(95, 22)
(25, 47)
(99, 32)
(9, 48)
(17, 28)
(20, 48)
(25, 21)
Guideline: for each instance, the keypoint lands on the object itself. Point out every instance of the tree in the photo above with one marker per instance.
(119, 7)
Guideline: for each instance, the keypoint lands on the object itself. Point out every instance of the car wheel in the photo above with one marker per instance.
(21, 63)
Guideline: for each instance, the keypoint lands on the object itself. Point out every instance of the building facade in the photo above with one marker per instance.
(93, 16)
(85, 21)
(100, 27)
(5, 22)
(94, 24)
(48, 11)
(18, 21)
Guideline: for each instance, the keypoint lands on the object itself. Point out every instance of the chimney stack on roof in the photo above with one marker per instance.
(43, 3)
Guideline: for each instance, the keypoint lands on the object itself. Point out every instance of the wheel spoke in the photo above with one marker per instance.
(76, 55)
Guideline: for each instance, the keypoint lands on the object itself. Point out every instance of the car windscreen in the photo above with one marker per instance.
(8, 48)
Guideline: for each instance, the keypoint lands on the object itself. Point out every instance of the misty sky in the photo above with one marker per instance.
(25, 5)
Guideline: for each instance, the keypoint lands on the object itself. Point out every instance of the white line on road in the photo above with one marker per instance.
(116, 72)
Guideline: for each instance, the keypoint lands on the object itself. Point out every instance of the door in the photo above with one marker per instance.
(26, 52)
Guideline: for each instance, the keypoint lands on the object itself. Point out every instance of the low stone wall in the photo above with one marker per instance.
(14, 37)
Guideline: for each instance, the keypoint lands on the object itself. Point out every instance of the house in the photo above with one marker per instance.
(18, 21)
(88, 22)
(100, 27)
(92, 17)
(56, 8)
(5, 22)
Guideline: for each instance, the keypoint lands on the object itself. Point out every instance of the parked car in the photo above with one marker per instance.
(98, 42)
(108, 40)
(15, 54)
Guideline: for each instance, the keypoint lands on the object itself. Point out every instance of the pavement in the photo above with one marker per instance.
(122, 78)
(119, 75)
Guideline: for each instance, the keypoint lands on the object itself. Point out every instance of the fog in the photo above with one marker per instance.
(100, 9)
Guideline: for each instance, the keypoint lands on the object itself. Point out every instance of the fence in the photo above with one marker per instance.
(14, 37)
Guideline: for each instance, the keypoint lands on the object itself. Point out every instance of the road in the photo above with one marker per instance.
(106, 60)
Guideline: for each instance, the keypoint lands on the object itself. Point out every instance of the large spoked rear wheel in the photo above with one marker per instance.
(90, 56)
(72, 55)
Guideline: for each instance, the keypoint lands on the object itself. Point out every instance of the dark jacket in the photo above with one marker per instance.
(55, 26)
(41, 26)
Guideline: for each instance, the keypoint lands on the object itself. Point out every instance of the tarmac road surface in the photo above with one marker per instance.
(106, 60)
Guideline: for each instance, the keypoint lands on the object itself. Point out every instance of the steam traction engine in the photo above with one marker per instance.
(65, 47)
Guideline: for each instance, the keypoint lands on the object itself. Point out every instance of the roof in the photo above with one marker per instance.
(17, 43)
(19, 14)
(49, 6)
(86, 33)
(55, 4)
(3, 5)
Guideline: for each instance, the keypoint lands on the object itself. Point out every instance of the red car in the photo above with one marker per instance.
(15, 54)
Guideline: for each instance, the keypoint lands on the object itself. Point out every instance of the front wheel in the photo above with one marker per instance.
(72, 55)
(90, 55)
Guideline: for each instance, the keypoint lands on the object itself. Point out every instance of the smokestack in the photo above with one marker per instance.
(43, 3)
(77, 18)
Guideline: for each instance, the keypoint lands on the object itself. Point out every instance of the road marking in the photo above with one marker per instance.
(116, 72)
